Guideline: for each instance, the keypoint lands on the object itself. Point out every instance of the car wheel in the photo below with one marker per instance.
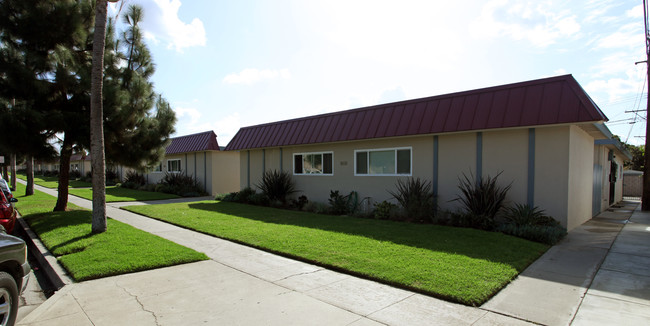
(8, 299)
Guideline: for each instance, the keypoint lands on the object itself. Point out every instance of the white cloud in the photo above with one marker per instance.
(533, 21)
(250, 76)
(192, 113)
(636, 12)
(617, 87)
(162, 24)
(630, 35)
(225, 128)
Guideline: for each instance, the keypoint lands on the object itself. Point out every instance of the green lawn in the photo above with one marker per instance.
(458, 264)
(116, 194)
(53, 182)
(121, 249)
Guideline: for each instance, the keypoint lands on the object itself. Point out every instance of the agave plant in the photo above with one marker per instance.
(416, 198)
(482, 199)
(277, 185)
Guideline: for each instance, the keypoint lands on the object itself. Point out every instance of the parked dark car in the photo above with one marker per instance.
(14, 274)
(7, 212)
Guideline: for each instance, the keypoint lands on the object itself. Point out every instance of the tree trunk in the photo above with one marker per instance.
(64, 176)
(96, 120)
(29, 189)
(13, 172)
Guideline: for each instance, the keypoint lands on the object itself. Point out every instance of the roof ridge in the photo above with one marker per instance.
(403, 102)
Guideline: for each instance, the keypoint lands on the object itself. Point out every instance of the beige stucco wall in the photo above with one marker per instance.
(216, 171)
(456, 156)
(552, 171)
(581, 153)
(224, 172)
(562, 178)
(506, 152)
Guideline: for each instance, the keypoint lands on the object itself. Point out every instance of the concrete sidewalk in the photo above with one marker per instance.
(575, 281)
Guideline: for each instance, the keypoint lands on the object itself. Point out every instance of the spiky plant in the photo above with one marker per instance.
(482, 199)
(277, 185)
(416, 198)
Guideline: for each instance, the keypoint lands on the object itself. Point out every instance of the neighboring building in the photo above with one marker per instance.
(199, 155)
(80, 162)
(632, 183)
(540, 135)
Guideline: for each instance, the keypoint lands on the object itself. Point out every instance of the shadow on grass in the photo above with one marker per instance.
(491, 246)
(57, 222)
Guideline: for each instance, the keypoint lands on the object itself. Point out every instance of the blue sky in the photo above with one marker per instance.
(229, 64)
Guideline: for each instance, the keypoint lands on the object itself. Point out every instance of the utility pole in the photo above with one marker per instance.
(645, 199)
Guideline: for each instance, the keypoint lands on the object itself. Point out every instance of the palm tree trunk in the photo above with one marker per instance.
(13, 172)
(96, 120)
(64, 176)
(29, 189)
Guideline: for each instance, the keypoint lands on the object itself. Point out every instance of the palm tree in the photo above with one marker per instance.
(96, 119)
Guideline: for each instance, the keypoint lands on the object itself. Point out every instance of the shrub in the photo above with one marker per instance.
(74, 174)
(384, 210)
(521, 215)
(316, 207)
(546, 234)
(88, 177)
(481, 200)
(135, 178)
(277, 185)
(343, 205)
(416, 198)
(300, 202)
(111, 176)
(180, 184)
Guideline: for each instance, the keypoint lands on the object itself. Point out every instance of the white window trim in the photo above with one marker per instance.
(179, 165)
(379, 150)
(293, 170)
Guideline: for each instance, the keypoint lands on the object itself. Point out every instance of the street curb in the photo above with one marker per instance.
(49, 265)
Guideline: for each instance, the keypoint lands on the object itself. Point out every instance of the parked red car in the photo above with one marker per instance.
(7, 212)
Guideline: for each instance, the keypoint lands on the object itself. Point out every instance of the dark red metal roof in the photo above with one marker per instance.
(204, 141)
(555, 100)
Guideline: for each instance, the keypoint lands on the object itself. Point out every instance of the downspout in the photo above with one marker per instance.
(263, 160)
(479, 156)
(530, 198)
(281, 168)
(205, 171)
(195, 171)
(248, 168)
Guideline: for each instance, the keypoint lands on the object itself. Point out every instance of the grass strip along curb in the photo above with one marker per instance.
(118, 194)
(52, 182)
(457, 264)
(121, 249)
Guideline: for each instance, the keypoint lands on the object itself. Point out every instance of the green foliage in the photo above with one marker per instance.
(523, 214)
(74, 174)
(532, 224)
(384, 210)
(546, 234)
(482, 200)
(300, 202)
(638, 157)
(277, 185)
(134, 180)
(416, 198)
(343, 205)
(180, 184)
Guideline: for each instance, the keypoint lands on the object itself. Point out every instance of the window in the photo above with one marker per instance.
(395, 161)
(74, 167)
(158, 168)
(174, 165)
(313, 163)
